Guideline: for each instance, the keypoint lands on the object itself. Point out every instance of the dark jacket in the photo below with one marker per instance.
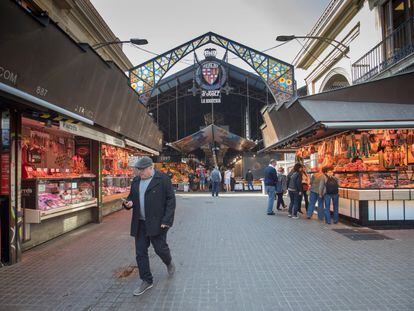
(159, 204)
(281, 183)
(249, 176)
(270, 176)
(294, 182)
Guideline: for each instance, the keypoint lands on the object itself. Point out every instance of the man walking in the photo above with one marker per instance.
(270, 181)
(152, 200)
(249, 179)
(215, 178)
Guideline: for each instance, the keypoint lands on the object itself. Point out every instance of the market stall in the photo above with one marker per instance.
(375, 169)
(178, 171)
(365, 133)
(117, 175)
(56, 172)
(57, 179)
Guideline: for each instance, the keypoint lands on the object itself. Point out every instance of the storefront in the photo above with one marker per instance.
(59, 181)
(366, 134)
(117, 174)
(60, 104)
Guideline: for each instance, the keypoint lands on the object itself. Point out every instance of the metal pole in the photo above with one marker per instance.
(176, 110)
(157, 110)
(247, 114)
(212, 113)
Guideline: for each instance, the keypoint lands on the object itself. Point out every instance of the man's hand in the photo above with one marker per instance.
(128, 204)
(163, 226)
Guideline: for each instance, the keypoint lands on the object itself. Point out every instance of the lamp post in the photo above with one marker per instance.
(135, 41)
(326, 39)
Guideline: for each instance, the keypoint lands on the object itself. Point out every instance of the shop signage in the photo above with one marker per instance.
(210, 97)
(141, 147)
(81, 130)
(8, 75)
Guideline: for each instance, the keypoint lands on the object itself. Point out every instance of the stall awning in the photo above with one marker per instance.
(212, 134)
(41, 65)
(386, 103)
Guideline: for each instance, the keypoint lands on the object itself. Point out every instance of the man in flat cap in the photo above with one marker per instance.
(152, 200)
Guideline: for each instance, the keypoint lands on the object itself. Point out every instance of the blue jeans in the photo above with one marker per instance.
(215, 186)
(250, 185)
(295, 201)
(335, 200)
(270, 190)
(313, 197)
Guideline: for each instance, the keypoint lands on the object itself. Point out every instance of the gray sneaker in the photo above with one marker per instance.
(171, 269)
(143, 288)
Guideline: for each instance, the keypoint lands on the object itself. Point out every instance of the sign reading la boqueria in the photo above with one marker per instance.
(210, 76)
(210, 97)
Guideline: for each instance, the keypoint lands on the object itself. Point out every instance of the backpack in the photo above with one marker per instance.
(331, 185)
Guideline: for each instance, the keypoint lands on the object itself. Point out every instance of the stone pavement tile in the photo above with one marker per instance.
(229, 256)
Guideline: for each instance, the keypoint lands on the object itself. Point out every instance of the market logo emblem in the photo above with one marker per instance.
(210, 74)
(210, 71)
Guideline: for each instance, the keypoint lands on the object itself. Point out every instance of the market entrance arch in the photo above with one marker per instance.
(278, 75)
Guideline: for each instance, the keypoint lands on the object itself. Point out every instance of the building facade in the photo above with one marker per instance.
(360, 40)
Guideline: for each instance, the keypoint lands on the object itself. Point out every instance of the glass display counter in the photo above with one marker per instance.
(376, 179)
(43, 198)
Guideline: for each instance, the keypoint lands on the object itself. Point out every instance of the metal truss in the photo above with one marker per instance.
(278, 75)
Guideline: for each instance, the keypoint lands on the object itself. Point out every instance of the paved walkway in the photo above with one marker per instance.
(229, 256)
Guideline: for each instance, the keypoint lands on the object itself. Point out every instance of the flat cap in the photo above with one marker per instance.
(143, 162)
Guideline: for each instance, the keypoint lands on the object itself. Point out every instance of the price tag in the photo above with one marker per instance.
(52, 170)
(74, 185)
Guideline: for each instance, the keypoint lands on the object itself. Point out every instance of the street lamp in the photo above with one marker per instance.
(326, 39)
(135, 41)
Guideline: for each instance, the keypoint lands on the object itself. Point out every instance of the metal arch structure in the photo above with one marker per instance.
(278, 75)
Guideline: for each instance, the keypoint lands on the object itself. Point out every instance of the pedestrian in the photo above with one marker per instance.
(215, 178)
(227, 180)
(294, 181)
(305, 188)
(249, 179)
(191, 178)
(202, 177)
(152, 200)
(281, 188)
(208, 183)
(270, 181)
(328, 189)
(315, 182)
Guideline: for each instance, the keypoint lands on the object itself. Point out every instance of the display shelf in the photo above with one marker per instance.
(51, 196)
(113, 197)
(36, 216)
(62, 177)
(376, 180)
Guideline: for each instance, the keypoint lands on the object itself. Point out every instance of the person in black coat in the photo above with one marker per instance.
(152, 200)
(249, 179)
(270, 182)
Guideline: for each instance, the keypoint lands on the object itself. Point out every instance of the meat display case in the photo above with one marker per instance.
(402, 179)
(43, 198)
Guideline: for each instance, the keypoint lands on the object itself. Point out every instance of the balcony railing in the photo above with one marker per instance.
(395, 47)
